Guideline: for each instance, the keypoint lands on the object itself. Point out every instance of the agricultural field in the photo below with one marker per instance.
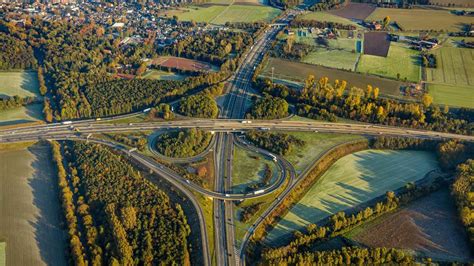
(196, 13)
(452, 95)
(21, 83)
(457, 3)
(246, 13)
(326, 16)
(339, 59)
(452, 82)
(376, 43)
(29, 113)
(422, 19)
(358, 11)
(454, 66)
(162, 75)
(400, 60)
(316, 144)
(352, 180)
(183, 64)
(429, 226)
(248, 169)
(220, 14)
(285, 70)
(30, 224)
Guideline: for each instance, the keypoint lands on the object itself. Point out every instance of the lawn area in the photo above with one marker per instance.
(400, 60)
(422, 19)
(454, 66)
(339, 59)
(352, 180)
(248, 169)
(297, 72)
(246, 13)
(162, 75)
(30, 210)
(316, 144)
(452, 95)
(429, 226)
(29, 113)
(21, 83)
(325, 16)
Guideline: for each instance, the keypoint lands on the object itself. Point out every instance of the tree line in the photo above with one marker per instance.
(321, 99)
(137, 140)
(184, 143)
(115, 216)
(462, 190)
(300, 23)
(279, 143)
(15, 102)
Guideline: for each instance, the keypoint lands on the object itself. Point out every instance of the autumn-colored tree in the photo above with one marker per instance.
(202, 171)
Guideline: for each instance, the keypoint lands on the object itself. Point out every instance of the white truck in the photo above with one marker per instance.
(66, 122)
(146, 110)
(274, 158)
(259, 191)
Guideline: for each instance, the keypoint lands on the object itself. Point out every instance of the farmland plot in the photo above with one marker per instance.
(358, 11)
(30, 208)
(452, 81)
(400, 61)
(422, 19)
(429, 226)
(352, 180)
(285, 70)
(246, 13)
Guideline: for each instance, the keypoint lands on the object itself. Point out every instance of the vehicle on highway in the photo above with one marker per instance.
(146, 110)
(66, 122)
(259, 191)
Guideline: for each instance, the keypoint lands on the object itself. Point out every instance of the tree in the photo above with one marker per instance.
(427, 100)
(141, 69)
(202, 171)
(386, 22)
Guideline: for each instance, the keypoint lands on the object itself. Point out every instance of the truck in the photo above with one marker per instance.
(227, 195)
(66, 122)
(264, 128)
(259, 191)
(274, 158)
(246, 122)
(146, 110)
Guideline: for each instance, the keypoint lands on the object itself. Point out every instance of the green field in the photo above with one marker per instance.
(246, 13)
(400, 60)
(339, 59)
(162, 75)
(316, 145)
(324, 16)
(21, 83)
(30, 211)
(248, 168)
(296, 72)
(452, 95)
(452, 81)
(3, 259)
(422, 19)
(220, 14)
(25, 114)
(352, 180)
(454, 66)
